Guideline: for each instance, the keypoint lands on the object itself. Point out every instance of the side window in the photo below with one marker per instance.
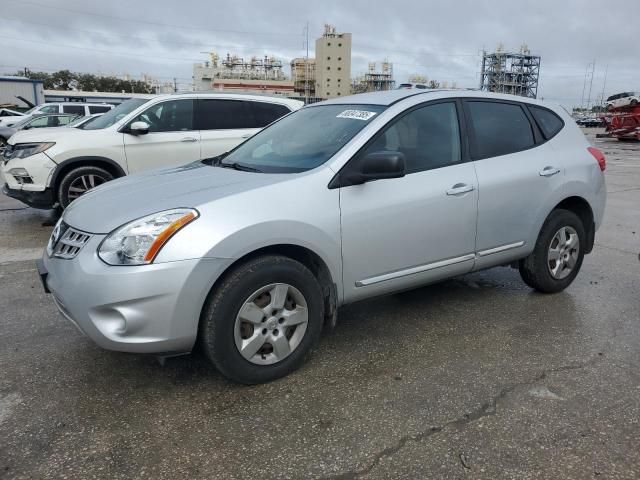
(64, 120)
(98, 109)
(171, 116)
(264, 113)
(75, 109)
(549, 122)
(223, 115)
(49, 109)
(39, 122)
(499, 129)
(429, 137)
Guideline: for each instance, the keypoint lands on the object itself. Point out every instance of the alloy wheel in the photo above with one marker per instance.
(563, 252)
(271, 324)
(83, 184)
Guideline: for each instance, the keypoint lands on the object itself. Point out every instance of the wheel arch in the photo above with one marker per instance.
(309, 259)
(583, 210)
(92, 161)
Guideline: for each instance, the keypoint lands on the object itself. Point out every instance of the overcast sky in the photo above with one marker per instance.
(440, 40)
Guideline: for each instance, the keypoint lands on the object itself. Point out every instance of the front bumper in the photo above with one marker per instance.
(142, 309)
(43, 200)
(38, 192)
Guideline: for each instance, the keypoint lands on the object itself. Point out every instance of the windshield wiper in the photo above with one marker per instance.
(239, 166)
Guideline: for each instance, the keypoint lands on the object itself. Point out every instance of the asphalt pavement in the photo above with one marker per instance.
(477, 377)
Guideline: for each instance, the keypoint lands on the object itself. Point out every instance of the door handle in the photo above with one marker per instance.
(246, 135)
(549, 171)
(188, 139)
(460, 188)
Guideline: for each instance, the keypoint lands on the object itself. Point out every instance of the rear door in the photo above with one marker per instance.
(172, 138)
(224, 123)
(518, 175)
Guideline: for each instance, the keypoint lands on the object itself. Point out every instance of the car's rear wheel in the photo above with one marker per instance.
(263, 320)
(79, 181)
(3, 144)
(557, 256)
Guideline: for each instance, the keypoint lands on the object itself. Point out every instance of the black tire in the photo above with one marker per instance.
(634, 102)
(217, 321)
(65, 189)
(3, 141)
(535, 270)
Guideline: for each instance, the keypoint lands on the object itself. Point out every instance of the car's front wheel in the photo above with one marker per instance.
(263, 320)
(79, 181)
(557, 256)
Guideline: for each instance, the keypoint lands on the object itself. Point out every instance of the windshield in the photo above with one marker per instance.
(116, 114)
(302, 140)
(82, 122)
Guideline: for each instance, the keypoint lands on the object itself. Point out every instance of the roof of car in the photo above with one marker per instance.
(390, 97)
(236, 96)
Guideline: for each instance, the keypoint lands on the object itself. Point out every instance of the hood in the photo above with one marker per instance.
(12, 119)
(49, 134)
(120, 201)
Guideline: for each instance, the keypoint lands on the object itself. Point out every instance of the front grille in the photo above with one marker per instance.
(70, 243)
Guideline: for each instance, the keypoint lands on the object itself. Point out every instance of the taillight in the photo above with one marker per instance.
(599, 156)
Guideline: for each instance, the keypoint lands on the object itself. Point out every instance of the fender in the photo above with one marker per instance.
(62, 166)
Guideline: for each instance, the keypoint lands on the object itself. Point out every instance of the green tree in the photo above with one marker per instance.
(67, 80)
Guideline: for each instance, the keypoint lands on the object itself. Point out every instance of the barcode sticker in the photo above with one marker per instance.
(356, 114)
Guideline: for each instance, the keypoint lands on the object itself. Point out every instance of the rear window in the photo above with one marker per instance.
(223, 115)
(214, 114)
(77, 109)
(98, 109)
(499, 129)
(264, 113)
(549, 122)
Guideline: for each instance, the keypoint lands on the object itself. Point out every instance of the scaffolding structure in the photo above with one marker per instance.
(237, 68)
(375, 81)
(512, 73)
(303, 74)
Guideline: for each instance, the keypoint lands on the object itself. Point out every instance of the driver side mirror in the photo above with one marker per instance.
(139, 128)
(377, 166)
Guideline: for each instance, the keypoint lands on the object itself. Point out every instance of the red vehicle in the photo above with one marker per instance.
(623, 123)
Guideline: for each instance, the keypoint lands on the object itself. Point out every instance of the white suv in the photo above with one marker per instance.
(623, 100)
(75, 108)
(44, 169)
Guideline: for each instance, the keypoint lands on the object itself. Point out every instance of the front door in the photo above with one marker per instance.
(403, 232)
(172, 139)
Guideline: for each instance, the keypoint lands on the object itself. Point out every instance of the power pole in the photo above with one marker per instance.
(593, 69)
(175, 85)
(306, 67)
(584, 87)
(604, 84)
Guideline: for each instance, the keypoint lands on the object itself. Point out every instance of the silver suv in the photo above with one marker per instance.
(250, 254)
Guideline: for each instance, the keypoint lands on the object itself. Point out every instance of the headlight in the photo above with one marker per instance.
(138, 242)
(24, 150)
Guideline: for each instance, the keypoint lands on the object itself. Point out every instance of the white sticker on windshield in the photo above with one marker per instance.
(356, 114)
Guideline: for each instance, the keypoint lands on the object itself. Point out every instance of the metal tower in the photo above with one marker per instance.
(513, 73)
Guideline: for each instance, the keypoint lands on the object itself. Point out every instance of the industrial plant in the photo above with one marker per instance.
(515, 73)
